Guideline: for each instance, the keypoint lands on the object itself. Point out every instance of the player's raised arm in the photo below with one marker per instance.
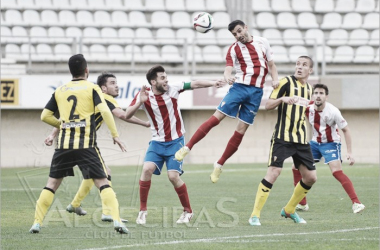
(139, 99)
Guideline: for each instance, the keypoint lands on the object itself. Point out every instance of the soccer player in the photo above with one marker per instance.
(108, 84)
(289, 139)
(251, 57)
(76, 102)
(160, 103)
(325, 119)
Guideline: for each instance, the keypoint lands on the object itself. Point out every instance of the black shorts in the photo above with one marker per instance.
(301, 154)
(89, 161)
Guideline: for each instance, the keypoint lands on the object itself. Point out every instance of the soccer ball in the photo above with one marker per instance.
(203, 22)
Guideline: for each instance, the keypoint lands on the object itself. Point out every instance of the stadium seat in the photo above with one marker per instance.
(58, 35)
(97, 5)
(371, 21)
(281, 5)
(91, 35)
(195, 5)
(221, 20)
(134, 5)
(324, 6)
(144, 36)
(84, 50)
(27, 49)
(137, 19)
(116, 53)
(358, 37)
(331, 21)
(38, 35)
(119, 18)
(13, 51)
(151, 54)
(255, 32)
(297, 51)
(67, 18)
(73, 32)
(185, 34)
(13, 17)
(6, 35)
(225, 50)
(364, 54)
(374, 38)
(224, 37)
(31, 17)
(337, 37)
(324, 53)
(343, 54)
(62, 4)
(181, 19)
(109, 35)
(280, 54)
(293, 37)
(165, 36)
(307, 20)
(206, 38)
(352, 21)
(154, 5)
(344, 6)
(365, 6)
(62, 52)
(376, 60)
(9, 4)
(274, 36)
(114, 5)
(98, 53)
(43, 4)
(133, 53)
(212, 54)
(126, 35)
(85, 18)
(266, 20)
(20, 35)
(49, 17)
(314, 35)
(170, 54)
(43, 53)
(160, 19)
(103, 19)
(215, 5)
(261, 6)
(175, 5)
(194, 53)
(301, 6)
(286, 20)
(79, 4)
(25, 5)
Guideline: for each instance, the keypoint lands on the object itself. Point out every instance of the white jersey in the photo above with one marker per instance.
(164, 115)
(325, 123)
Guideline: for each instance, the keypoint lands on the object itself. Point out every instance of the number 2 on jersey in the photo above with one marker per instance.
(74, 99)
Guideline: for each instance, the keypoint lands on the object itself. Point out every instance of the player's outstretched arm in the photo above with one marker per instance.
(50, 138)
(207, 83)
(347, 136)
(121, 114)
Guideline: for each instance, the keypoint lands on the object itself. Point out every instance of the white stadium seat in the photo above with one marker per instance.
(255, 32)
(126, 35)
(119, 18)
(27, 49)
(352, 21)
(39, 35)
(73, 32)
(67, 18)
(194, 53)
(324, 53)
(185, 34)
(63, 52)
(274, 36)
(280, 5)
(206, 38)
(215, 5)
(58, 35)
(114, 4)
(116, 53)
(49, 17)
(307, 20)
(137, 19)
(266, 20)
(110, 36)
(62, 4)
(371, 21)
(97, 5)
(79, 4)
(365, 6)
(161, 19)
(85, 18)
(44, 53)
(175, 5)
(337, 37)
(221, 20)
(224, 37)
(43, 4)
(324, 6)
(297, 51)
(6, 34)
(26, 5)
(20, 35)
(195, 5)
(166, 36)
(31, 17)
(376, 60)
(13, 51)
(286, 20)
(301, 6)
(151, 54)
(154, 5)
(343, 54)
(132, 5)
(364, 54)
(171, 54)
(261, 6)
(212, 54)
(133, 53)
(9, 4)
(98, 53)
(331, 21)
(344, 6)
(13, 17)
(181, 19)
(91, 35)
(358, 37)
(103, 19)
(280, 54)
(293, 37)
(314, 35)
(143, 36)
(374, 38)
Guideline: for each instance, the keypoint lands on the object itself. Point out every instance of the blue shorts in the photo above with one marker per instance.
(160, 152)
(330, 151)
(242, 99)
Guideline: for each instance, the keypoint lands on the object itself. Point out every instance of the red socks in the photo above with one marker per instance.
(347, 185)
(232, 147)
(184, 198)
(296, 178)
(144, 191)
(202, 131)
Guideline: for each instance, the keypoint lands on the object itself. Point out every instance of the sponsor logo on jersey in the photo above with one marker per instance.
(73, 88)
(81, 124)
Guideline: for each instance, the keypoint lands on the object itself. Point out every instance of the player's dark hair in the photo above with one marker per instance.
(152, 73)
(311, 60)
(102, 78)
(235, 23)
(77, 65)
(321, 86)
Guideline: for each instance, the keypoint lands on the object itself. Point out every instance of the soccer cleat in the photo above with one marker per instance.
(78, 210)
(108, 218)
(304, 208)
(141, 218)
(216, 173)
(295, 217)
(357, 208)
(120, 227)
(35, 229)
(185, 217)
(254, 221)
(181, 153)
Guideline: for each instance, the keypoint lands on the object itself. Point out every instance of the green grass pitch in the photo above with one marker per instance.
(221, 212)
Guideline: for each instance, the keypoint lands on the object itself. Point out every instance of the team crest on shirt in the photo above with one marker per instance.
(222, 104)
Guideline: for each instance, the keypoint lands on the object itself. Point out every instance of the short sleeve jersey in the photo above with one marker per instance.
(111, 103)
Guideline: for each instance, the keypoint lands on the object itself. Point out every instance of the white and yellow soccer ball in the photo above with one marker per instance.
(203, 22)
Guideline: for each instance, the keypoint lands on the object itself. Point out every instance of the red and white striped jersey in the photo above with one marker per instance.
(250, 61)
(325, 123)
(164, 115)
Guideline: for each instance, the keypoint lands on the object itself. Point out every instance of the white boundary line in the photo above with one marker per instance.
(226, 239)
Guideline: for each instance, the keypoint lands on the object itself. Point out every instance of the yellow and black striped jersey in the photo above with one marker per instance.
(290, 124)
(111, 103)
(76, 102)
